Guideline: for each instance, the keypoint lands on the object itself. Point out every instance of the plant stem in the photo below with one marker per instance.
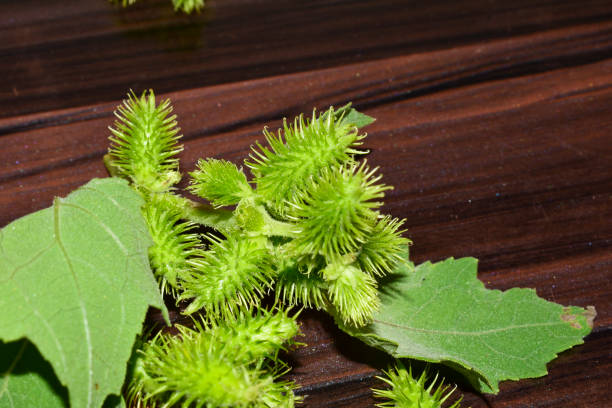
(204, 214)
(278, 228)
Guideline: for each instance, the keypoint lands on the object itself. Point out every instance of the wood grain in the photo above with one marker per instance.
(494, 124)
(73, 52)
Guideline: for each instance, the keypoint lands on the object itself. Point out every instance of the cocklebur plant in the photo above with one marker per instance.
(407, 392)
(315, 237)
(185, 6)
(308, 222)
(301, 151)
(237, 347)
(231, 362)
(143, 148)
(314, 208)
(175, 243)
(233, 273)
(144, 143)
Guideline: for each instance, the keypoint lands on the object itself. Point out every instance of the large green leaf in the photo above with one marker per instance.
(75, 280)
(442, 313)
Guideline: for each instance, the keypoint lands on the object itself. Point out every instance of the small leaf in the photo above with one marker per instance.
(442, 313)
(353, 117)
(75, 280)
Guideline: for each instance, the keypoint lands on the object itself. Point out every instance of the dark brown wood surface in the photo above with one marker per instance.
(494, 124)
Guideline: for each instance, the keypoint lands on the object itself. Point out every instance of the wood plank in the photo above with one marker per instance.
(70, 53)
(490, 156)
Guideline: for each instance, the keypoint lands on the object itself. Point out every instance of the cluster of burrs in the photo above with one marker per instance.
(305, 229)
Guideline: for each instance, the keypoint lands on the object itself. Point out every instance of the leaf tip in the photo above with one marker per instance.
(590, 314)
(571, 315)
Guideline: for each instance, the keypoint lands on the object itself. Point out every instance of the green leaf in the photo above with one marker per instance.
(75, 280)
(442, 313)
(354, 117)
(27, 379)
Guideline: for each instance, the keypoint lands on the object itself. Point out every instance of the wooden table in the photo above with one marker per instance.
(494, 124)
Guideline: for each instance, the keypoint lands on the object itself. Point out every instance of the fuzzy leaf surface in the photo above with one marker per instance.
(75, 280)
(442, 313)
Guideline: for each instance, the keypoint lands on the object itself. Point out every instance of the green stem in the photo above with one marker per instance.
(254, 219)
(217, 218)
(278, 228)
(220, 219)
